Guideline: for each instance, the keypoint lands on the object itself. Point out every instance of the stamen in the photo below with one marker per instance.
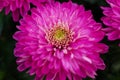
(59, 36)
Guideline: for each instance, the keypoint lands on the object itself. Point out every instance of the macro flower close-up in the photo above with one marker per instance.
(60, 41)
(112, 19)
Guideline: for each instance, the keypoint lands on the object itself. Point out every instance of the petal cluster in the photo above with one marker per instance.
(38, 2)
(79, 59)
(17, 7)
(112, 19)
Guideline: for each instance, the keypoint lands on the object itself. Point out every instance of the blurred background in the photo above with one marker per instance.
(8, 67)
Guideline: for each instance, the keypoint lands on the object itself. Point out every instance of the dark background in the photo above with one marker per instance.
(8, 65)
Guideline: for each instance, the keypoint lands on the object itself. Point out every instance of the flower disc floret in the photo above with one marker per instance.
(59, 36)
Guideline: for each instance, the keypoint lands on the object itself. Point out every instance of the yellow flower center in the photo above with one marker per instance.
(59, 36)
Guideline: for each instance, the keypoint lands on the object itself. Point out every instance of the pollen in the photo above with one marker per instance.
(59, 36)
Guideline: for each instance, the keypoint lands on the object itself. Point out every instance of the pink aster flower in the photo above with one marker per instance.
(112, 19)
(59, 41)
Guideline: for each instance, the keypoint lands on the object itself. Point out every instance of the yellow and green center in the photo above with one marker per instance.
(59, 36)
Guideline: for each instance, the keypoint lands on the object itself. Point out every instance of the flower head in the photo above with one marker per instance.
(59, 41)
(112, 19)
